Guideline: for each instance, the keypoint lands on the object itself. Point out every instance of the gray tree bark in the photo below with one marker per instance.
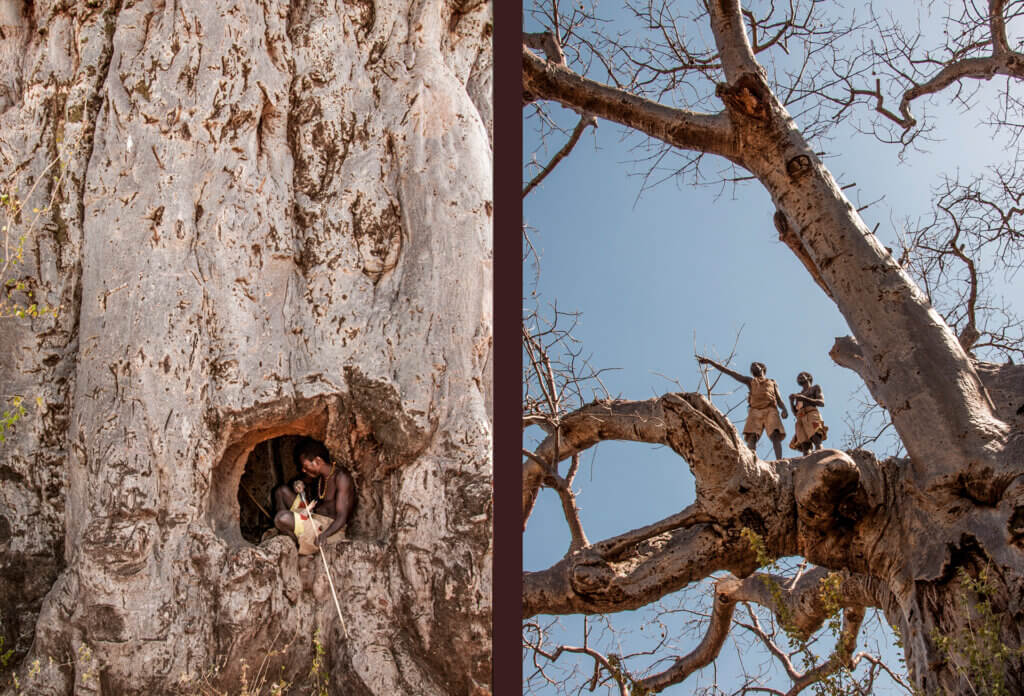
(276, 219)
(905, 526)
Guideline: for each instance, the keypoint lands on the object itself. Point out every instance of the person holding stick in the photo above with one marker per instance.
(335, 496)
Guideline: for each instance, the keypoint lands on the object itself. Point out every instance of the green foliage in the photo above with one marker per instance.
(831, 596)
(250, 683)
(839, 682)
(11, 416)
(85, 660)
(318, 671)
(5, 655)
(83, 664)
(757, 545)
(18, 223)
(18, 299)
(975, 651)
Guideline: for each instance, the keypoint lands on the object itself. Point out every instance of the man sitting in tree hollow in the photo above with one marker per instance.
(810, 428)
(334, 496)
(763, 400)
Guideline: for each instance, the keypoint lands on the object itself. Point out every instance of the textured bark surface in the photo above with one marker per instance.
(906, 529)
(276, 221)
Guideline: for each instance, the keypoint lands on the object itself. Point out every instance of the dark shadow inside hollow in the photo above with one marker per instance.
(271, 463)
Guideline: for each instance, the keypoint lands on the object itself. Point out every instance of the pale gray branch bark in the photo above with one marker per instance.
(545, 41)
(543, 79)
(731, 38)
(1009, 64)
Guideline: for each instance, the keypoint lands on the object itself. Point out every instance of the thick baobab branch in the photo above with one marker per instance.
(734, 488)
(709, 443)
(788, 237)
(533, 477)
(731, 38)
(586, 582)
(614, 547)
(546, 41)
(803, 606)
(846, 352)
(642, 421)
(618, 419)
(704, 653)
(997, 27)
(688, 423)
(544, 79)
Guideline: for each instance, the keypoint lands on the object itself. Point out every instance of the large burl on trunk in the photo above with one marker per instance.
(274, 219)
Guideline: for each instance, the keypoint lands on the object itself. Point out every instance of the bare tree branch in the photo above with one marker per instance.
(685, 129)
(705, 652)
(561, 154)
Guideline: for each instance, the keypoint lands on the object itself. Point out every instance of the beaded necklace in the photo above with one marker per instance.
(321, 486)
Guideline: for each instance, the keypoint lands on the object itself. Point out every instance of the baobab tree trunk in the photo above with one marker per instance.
(276, 220)
(907, 527)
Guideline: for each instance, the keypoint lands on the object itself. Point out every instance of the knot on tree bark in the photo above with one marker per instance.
(748, 96)
(592, 576)
(829, 491)
(797, 167)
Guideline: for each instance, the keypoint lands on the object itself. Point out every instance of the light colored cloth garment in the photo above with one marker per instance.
(764, 393)
(763, 413)
(808, 423)
(304, 528)
(766, 419)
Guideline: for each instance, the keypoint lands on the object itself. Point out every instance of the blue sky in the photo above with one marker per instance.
(650, 274)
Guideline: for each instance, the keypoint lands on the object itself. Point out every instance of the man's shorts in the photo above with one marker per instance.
(766, 419)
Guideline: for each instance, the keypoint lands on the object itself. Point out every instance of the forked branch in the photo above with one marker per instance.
(802, 606)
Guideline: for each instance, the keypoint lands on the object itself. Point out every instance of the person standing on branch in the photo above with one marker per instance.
(334, 495)
(810, 428)
(764, 401)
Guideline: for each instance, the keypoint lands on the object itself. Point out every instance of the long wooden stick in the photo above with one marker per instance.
(330, 580)
(256, 502)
